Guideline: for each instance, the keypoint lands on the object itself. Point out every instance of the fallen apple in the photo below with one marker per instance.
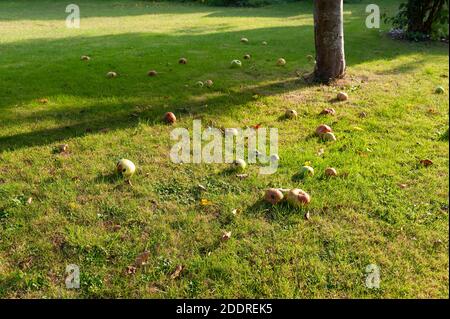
(310, 58)
(328, 111)
(322, 129)
(290, 114)
(152, 73)
(273, 196)
(209, 83)
(328, 136)
(111, 74)
(182, 61)
(307, 171)
(126, 168)
(342, 96)
(236, 64)
(170, 118)
(244, 40)
(239, 165)
(85, 58)
(226, 236)
(264, 43)
(63, 148)
(440, 90)
(281, 62)
(297, 197)
(247, 57)
(330, 171)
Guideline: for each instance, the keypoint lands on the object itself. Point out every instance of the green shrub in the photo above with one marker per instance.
(423, 19)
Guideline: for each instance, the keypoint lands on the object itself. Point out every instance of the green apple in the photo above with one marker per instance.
(440, 90)
(329, 136)
(290, 114)
(126, 168)
(111, 74)
(281, 62)
(307, 171)
(235, 64)
(239, 165)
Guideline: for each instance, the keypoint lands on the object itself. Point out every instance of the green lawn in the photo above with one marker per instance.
(82, 214)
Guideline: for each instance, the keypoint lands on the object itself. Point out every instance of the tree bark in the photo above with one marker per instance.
(329, 39)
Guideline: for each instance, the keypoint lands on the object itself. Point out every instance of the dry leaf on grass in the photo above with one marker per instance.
(130, 270)
(142, 259)
(177, 272)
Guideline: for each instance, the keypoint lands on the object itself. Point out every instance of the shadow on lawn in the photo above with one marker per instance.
(38, 76)
(54, 10)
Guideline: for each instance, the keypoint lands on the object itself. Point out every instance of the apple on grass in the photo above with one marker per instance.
(239, 165)
(290, 114)
(273, 196)
(307, 171)
(298, 198)
(235, 64)
(126, 168)
(170, 118)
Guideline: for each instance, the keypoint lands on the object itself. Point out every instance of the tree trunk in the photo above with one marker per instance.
(329, 38)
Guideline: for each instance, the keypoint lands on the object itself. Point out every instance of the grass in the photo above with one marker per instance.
(82, 214)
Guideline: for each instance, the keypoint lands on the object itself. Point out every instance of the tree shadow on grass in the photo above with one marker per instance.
(55, 10)
(99, 103)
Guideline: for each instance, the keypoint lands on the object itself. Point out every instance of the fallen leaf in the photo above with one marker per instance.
(241, 176)
(257, 126)
(142, 259)
(43, 101)
(307, 216)
(235, 211)
(402, 186)
(177, 272)
(204, 202)
(130, 270)
(154, 290)
(363, 114)
(320, 152)
(201, 187)
(29, 200)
